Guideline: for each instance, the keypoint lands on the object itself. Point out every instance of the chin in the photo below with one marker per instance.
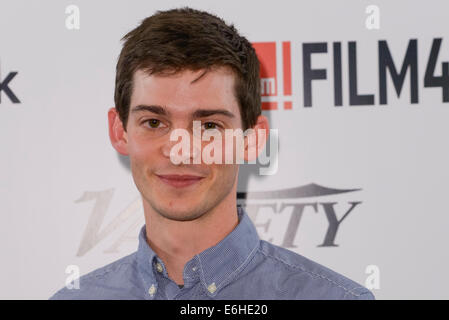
(178, 210)
(181, 215)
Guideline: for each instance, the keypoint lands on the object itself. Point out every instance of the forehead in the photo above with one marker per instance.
(186, 91)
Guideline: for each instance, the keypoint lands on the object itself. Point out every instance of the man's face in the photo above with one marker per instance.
(173, 101)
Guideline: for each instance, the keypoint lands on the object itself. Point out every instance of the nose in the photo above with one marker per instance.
(182, 147)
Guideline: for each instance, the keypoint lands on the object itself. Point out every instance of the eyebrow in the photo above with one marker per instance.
(199, 113)
(155, 109)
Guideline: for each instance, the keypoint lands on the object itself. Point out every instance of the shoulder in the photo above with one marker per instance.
(112, 281)
(302, 278)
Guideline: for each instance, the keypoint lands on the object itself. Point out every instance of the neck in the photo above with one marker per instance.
(176, 242)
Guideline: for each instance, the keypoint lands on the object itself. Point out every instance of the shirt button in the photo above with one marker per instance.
(194, 268)
(211, 288)
(159, 267)
(152, 290)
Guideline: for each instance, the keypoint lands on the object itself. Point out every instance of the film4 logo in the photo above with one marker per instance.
(5, 87)
(276, 72)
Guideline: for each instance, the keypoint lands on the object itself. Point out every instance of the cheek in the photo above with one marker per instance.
(141, 161)
(224, 176)
(141, 151)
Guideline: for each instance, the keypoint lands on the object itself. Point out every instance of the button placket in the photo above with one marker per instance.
(152, 290)
(212, 287)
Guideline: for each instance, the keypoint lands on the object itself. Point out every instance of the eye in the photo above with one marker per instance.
(211, 125)
(153, 123)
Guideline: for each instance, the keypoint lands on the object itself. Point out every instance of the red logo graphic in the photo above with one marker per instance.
(266, 52)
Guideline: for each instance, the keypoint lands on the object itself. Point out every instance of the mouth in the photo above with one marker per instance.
(179, 181)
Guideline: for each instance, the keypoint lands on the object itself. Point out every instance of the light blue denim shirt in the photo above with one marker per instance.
(241, 266)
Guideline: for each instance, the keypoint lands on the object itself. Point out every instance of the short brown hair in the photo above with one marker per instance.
(180, 39)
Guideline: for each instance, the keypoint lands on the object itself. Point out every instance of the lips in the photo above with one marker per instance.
(179, 181)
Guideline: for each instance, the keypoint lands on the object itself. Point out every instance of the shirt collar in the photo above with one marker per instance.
(217, 265)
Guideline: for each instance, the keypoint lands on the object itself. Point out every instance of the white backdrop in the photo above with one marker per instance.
(58, 169)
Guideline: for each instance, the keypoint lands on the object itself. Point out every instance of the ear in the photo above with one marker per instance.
(256, 139)
(117, 134)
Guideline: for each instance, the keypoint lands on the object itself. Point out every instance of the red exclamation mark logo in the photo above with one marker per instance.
(266, 53)
(287, 71)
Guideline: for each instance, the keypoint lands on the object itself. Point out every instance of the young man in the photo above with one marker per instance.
(177, 67)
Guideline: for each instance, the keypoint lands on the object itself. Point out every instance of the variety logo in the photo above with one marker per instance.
(288, 205)
(280, 201)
